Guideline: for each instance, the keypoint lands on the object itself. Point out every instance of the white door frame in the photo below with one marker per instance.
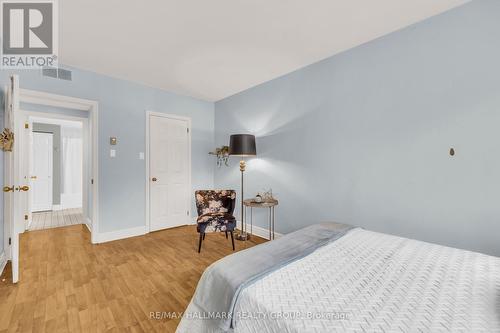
(148, 181)
(90, 106)
(86, 167)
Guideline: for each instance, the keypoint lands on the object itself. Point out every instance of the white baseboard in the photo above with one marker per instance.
(261, 232)
(104, 237)
(56, 207)
(88, 223)
(3, 261)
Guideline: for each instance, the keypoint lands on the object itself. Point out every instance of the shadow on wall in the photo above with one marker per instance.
(382, 172)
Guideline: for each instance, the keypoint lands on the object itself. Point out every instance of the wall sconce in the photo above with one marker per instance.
(222, 154)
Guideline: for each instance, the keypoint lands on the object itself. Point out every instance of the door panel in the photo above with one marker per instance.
(169, 162)
(14, 224)
(42, 170)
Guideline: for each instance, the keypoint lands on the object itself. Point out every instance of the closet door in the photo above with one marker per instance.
(42, 171)
(169, 170)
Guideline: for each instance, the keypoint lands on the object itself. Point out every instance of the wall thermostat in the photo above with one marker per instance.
(112, 141)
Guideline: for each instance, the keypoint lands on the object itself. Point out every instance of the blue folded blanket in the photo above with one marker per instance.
(223, 281)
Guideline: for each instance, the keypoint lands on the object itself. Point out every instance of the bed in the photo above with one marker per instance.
(346, 279)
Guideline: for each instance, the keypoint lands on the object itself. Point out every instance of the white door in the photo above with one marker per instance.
(169, 171)
(42, 171)
(15, 187)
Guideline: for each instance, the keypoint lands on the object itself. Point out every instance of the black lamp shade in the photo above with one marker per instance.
(242, 145)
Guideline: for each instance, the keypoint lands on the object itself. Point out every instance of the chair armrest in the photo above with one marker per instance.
(208, 215)
(226, 216)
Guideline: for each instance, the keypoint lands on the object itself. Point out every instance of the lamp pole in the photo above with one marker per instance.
(243, 236)
(242, 145)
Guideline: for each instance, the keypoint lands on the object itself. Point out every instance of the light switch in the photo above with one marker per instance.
(141, 155)
(112, 153)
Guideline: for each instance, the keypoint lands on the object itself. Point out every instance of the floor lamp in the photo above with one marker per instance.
(242, 145)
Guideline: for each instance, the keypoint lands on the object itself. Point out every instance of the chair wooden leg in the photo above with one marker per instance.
(202, 235)
(232, 239)
(226, 234)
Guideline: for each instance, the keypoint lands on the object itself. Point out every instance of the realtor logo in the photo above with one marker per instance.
(29, 34)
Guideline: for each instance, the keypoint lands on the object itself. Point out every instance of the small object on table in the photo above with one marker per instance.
(270, 204)
(267, 195)
(258, 198)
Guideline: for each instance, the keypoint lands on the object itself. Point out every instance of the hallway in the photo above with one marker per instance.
(54, 219)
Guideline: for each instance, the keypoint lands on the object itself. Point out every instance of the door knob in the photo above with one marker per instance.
(154, 179)
(23, 188)
(8, 189)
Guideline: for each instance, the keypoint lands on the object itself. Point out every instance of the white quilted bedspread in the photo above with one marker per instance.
(372, 282)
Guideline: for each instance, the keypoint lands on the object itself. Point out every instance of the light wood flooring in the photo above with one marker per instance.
(54, 219)
(69, 285)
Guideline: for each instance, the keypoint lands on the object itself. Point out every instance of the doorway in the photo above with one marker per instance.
(16, 169)
(57, 164)
(168, 171)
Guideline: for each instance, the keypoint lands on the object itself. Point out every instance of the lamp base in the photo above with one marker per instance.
(243, 236)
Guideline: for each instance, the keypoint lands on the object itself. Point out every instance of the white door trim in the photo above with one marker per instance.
(92, 107)
(60, 101)
(148, 124)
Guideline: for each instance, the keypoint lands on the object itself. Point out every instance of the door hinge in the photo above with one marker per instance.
(188, 213)
(26, 217)
(92, 181)
(10, 241)
(26, 125)
(188, 129)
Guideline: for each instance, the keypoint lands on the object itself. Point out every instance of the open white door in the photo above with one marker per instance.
(14, 188)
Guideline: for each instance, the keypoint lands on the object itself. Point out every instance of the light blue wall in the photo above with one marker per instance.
(363, 137)
(54, 110)
(122, 107)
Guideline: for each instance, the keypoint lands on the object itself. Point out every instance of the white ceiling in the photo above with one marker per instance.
(213, 49)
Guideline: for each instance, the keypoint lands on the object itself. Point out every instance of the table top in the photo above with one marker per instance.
(263, 204)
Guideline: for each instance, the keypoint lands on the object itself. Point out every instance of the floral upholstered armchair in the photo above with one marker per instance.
(215, 213)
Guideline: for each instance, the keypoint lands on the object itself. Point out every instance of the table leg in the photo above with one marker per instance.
(270, 224)
(251, 221)
(273, 221)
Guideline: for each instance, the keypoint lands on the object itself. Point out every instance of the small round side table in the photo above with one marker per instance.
(269, 204)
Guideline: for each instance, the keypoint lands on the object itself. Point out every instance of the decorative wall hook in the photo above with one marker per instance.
(222, 154)
(7, 140)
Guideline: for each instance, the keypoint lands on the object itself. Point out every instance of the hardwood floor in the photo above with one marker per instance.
(54, 219)
(69, 285)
